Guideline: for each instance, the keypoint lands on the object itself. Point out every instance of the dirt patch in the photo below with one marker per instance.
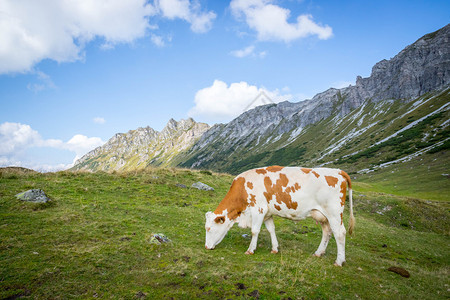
(402, 272)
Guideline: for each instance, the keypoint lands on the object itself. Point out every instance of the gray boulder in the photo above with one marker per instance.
(201, 186)
(34, 195)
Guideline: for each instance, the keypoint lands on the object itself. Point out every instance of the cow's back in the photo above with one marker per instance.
(292, 192)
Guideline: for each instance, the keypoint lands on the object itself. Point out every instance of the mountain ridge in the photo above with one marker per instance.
(294, 133)
(143, 146)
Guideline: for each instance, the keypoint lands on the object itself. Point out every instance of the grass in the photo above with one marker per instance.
(424, 177)
(92, 241)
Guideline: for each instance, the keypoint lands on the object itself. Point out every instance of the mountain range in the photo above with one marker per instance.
(399, 112)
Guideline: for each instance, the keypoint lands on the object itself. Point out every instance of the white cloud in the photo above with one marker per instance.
(221, 102)
(341, 84)
(81, 144)
(243, 52)
(44, 82)
(99, 120)
(59, 30)
(248, 51)
(271, 21)
(11, 162)
(157, 40)
(190, 11)
(16, 138)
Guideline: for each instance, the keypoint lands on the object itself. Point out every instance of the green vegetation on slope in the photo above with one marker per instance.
(92, 241)
(353, 142)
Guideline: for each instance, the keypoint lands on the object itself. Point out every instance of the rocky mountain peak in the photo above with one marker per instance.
(421, 67)
(139, 147)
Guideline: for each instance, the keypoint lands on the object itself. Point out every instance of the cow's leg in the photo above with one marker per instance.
(271, 228)
(339, 234)
(257, 220)
(326, 232)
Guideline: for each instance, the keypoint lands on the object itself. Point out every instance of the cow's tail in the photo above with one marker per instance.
(351, 225)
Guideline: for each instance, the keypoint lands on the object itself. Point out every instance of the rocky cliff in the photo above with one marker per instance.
(139, 148)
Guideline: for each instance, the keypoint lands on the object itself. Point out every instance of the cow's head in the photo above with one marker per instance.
(216, 227)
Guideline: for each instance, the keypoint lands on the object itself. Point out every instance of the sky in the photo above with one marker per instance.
(75, 72)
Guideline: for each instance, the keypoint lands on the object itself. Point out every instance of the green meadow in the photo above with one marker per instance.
(93, 241)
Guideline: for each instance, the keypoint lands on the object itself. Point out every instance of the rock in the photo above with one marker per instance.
(400, 271)
(201, 186)
(180, 185)
(34, 195)
(246, 236)
(159, 239)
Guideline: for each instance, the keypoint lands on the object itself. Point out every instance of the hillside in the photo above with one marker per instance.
(93, 241)
(369, 137)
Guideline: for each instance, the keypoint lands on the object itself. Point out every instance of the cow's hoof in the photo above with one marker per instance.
(249, 252)
(318, 254)
(339, 265)
(274, 251)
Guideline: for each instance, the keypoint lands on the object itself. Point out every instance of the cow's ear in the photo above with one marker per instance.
(219, 220)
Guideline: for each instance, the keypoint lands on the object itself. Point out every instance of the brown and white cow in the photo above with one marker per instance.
(294, 193)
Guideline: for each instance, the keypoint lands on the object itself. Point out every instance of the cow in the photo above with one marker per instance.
(257, 195)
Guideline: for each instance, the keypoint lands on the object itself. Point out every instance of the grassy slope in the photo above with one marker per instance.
(93, 241)
(352, 137)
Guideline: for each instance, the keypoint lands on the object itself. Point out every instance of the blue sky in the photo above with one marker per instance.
(74, 73)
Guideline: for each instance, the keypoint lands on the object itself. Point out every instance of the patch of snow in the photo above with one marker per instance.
(445, 124)
(417, 104)
(412, 124)
(352, 134)
(378, 108)
(358, 114)
(276, 138)
(403, 159)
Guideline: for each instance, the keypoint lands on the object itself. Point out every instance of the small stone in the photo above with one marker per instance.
(182, 186)
(34, 195)
(159, 239)
(201, 186)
